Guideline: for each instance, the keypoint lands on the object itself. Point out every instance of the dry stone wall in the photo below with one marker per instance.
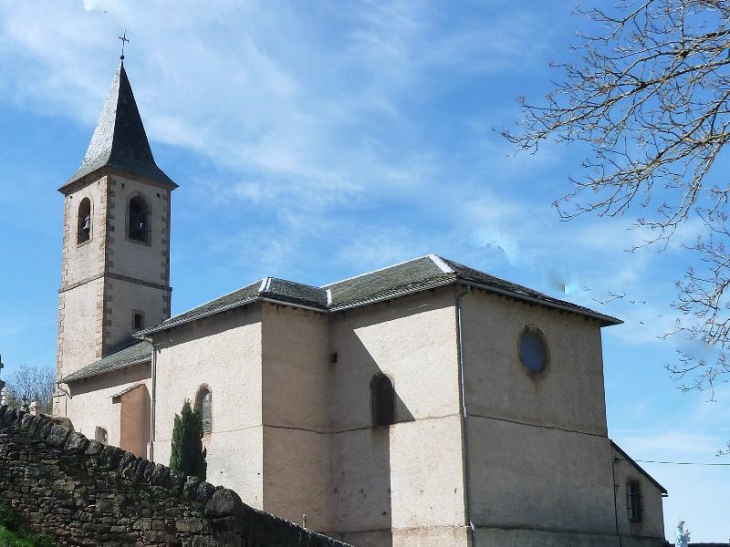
(81, 492)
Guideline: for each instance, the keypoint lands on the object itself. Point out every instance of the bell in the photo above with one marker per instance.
(87, 224)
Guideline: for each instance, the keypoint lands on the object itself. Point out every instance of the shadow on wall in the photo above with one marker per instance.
(363, 461)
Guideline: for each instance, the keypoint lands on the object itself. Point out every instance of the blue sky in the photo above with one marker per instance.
(315, 141)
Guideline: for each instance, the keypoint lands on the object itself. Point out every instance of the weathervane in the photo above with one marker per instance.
(124, 39)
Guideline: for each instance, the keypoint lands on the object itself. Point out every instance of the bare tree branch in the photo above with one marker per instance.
(33, 384)
(649, 93)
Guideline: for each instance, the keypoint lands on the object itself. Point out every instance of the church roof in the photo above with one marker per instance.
(119, 139)
(416, 275)
(640, 469)
(136, 353)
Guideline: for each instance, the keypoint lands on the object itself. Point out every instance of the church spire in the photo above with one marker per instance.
(119, 139)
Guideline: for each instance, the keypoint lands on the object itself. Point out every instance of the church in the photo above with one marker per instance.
(426, 404)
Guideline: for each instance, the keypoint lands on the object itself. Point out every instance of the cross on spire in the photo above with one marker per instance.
(124, 39)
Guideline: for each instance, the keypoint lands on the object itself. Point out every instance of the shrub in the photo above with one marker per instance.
(188, 454)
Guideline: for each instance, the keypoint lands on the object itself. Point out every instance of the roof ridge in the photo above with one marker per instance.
(376, 271)
(294, 283)
(441, 263)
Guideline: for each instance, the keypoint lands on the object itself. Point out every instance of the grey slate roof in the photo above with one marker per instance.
(409, 277)
(136, 353)
(416, 275)
(119, 139)
(639, 468)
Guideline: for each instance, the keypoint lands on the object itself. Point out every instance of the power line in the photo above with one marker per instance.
(682, 463)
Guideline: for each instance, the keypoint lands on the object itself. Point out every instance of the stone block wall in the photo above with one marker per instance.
(81, 492)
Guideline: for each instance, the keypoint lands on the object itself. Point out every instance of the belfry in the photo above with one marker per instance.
(116, 240)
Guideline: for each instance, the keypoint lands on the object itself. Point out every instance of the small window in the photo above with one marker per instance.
(138, 320)
(101, 435)
(382, 401)
(204, 405)
(633, 501)
(138, 226)
(533, 352)
(83, 228)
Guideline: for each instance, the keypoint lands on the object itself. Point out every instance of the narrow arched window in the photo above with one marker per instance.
(633, 500)
(83, 221)
(382, 401)
(204, 405)
(138, 225)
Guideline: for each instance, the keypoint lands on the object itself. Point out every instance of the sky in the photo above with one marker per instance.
(318, 140)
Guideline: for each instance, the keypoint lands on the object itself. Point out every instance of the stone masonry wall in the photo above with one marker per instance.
(81, 492)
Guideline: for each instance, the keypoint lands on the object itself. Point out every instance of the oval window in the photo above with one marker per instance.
(533, 353)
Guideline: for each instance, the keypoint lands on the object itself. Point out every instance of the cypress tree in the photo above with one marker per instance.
(188, 455)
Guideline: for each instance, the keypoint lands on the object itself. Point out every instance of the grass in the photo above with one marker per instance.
(9, 538)
(14, 535)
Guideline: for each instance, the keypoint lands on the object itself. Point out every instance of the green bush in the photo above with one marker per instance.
(8, 519)
(188, 454)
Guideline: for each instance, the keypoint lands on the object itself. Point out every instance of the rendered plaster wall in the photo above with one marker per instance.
(296, 369)
(539, 457)
(398, 485)
(80, 329)
(91, 405)
(222, 353)
(124, 298)
(540, 478)
(569, 394)
(652, 518)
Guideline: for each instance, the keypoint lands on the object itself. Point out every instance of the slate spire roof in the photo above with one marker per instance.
(119, 138)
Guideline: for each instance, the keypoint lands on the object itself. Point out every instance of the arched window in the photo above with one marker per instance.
(83, 221)
(138, 225)
(204, 405)
(382, 400)
(633, 500)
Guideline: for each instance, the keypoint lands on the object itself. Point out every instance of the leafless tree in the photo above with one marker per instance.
(33, 384)
(648, 92)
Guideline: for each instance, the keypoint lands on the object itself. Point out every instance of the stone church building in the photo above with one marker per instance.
(426, 404)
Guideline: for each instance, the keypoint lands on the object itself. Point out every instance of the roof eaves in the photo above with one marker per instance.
(639, 468)
(81, 375)
(165, 326)
(293, 303)
(127, 390)
(606, 319)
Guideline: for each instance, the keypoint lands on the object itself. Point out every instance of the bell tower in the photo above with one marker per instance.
(115, 274)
